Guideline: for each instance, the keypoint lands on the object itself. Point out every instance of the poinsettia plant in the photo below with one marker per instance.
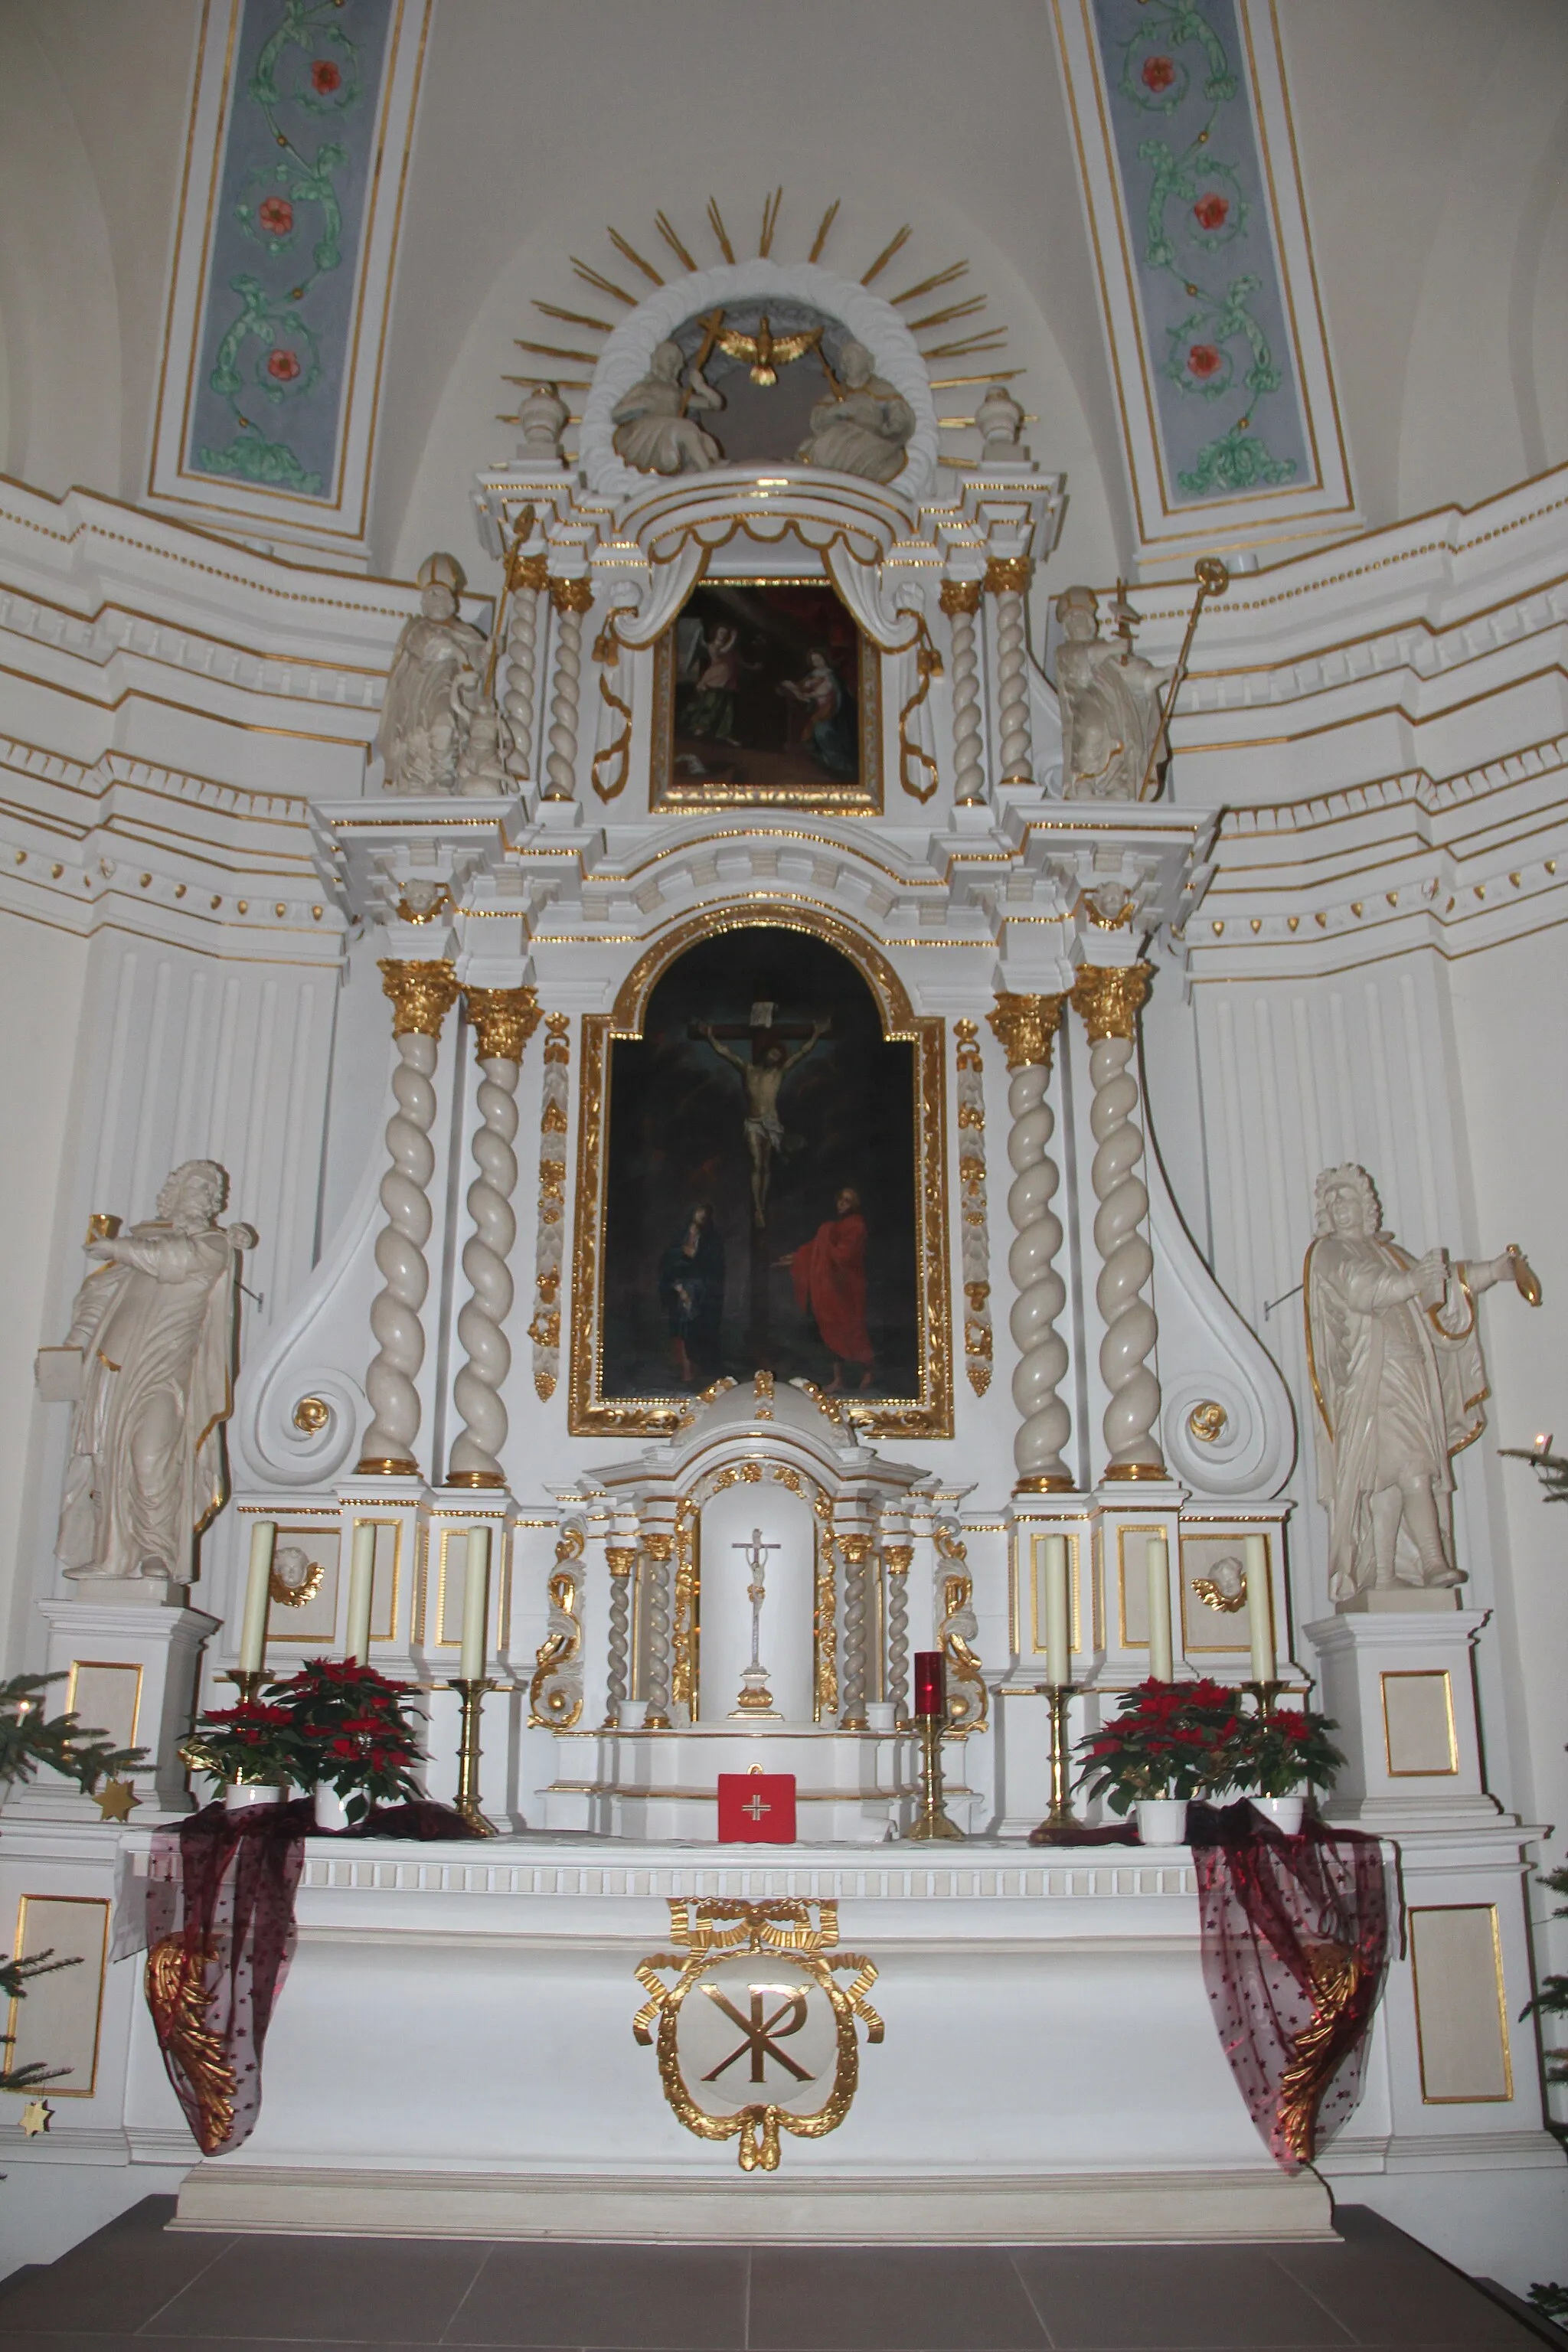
(352, 1730)
(1166, 1739)
(1278, 1751)
(250, 1741)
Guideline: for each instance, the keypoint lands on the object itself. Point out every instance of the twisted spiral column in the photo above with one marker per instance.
(896, 1558)
(571, 599)
(960, 600)
(1109, 1001)
(504, 1018)
(620, 1559)
(420, 994)
(522, 640)
(856, 1551)
(1026, 1026)
(658, 1550)
(1007, 579)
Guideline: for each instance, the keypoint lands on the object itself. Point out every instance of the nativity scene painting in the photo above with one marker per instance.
(766, 692)
(761, 1183)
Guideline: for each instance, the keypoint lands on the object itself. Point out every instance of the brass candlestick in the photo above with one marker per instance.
(932, 1821)
(247, 1685)
(1265, 1693)
(1061, 1825)
(471, 1694)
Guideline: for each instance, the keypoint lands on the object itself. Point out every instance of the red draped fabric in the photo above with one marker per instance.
(1295, 1945)
(220, 1935)
(830, 1280)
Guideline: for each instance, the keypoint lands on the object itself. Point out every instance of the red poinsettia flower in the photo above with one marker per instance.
(1203, 360)
(1212, 211)
(344, 1747)
(325, 78)
(275, 214)
(282, 366)
(1159, 73)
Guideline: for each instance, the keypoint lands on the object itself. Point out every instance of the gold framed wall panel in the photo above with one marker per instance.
(120, 1703)
(1462, 1999)
(929, 1412)
(1397, 1734)
(60, 2022)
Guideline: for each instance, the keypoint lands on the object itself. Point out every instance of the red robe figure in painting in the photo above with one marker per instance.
(829, 1273)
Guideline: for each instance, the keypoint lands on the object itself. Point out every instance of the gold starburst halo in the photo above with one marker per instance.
(570, 372)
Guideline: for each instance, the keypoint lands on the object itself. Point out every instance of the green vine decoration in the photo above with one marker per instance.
(269, 352)
(1195, 197)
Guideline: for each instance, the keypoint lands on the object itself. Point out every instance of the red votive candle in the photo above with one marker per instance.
(930, 1694)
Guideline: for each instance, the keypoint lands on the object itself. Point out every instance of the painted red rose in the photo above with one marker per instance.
(1212, 211)
(325, 78)
(1159, 73)
(283, 366)
(275, 214)
(1203, 360)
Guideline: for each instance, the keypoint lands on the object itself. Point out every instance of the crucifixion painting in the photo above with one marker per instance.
(762, 1178)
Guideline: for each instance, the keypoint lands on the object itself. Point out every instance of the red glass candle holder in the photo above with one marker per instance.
(930, 1685)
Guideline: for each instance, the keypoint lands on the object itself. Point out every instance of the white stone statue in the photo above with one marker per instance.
(861, 429)
(1110, 700)
(543, 416)
(1001, 423)
(1397, 1370)
(148, 1364)
(653, 428)
(424, 715)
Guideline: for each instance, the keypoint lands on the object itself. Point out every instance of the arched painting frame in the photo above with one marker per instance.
(601, 1400)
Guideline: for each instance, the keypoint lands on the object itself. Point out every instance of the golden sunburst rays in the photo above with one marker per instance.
(569, 365)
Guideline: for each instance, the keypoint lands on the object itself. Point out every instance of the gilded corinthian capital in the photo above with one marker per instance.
(1008, 575)
(961, 596)
(421, 994)
(503, 1019)
(1026, 1025)
(1110, 997)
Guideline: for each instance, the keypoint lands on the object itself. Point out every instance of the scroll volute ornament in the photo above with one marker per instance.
(1110, 997)
(421, 995)
(1026, 1026)
(503, 1019)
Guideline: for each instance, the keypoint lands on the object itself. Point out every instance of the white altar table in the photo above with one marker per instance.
(452, 2054)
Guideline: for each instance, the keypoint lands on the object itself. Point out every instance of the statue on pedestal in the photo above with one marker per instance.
(654, 429)
(1397, 1370)
(864, 425)
(425, 714)
(1109, 700)
(148, 1365)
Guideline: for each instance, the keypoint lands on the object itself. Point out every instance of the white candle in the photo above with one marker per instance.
(258, 1597)
(1260, 1607)
(476, 1605)
(362, 1583)
(1058, 1623)
(1157, 1563)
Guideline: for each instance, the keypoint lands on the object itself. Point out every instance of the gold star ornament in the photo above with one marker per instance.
(36, 2117)
(114, 1801)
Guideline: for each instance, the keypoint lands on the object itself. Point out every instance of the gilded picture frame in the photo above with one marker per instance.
(765, 743)
(921, 1408)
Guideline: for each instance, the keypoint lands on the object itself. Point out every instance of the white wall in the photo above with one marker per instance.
(42, 975)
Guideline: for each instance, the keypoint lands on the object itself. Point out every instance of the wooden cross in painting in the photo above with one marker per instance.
(761, 1077)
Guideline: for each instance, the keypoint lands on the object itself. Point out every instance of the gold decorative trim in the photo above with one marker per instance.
(961, 596)
(1206, 1421)
(488, 1480)
(544, 1327)
(1008, 575)
(555, 1692)
(385, 1465)
(1110, 997)
(1055, 1481)
(422, 995)
(928, 1414)
(503, 1019)
(1026, 1026)
(782, 1934)
(968, 1701)
(913, 758)
(571, 595)
(1115, 1471)
(179, 1998)
(311, 1413)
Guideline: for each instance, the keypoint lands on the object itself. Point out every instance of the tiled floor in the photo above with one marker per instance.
(136, 2283)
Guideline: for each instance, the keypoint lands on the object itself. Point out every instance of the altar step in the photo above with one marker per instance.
(139, 2281)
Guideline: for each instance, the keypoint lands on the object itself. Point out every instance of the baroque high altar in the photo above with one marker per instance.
(763, 1242)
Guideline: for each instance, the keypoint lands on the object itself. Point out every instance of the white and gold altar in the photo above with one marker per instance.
(867, 971)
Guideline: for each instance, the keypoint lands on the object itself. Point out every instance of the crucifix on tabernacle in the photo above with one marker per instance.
(761, 1079)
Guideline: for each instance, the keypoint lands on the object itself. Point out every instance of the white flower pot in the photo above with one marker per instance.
(1162, 1820)
(332, 1810)
(238, 1796)
(1285, 1812)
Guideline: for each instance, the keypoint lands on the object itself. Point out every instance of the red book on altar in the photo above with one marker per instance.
(756, 1808)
